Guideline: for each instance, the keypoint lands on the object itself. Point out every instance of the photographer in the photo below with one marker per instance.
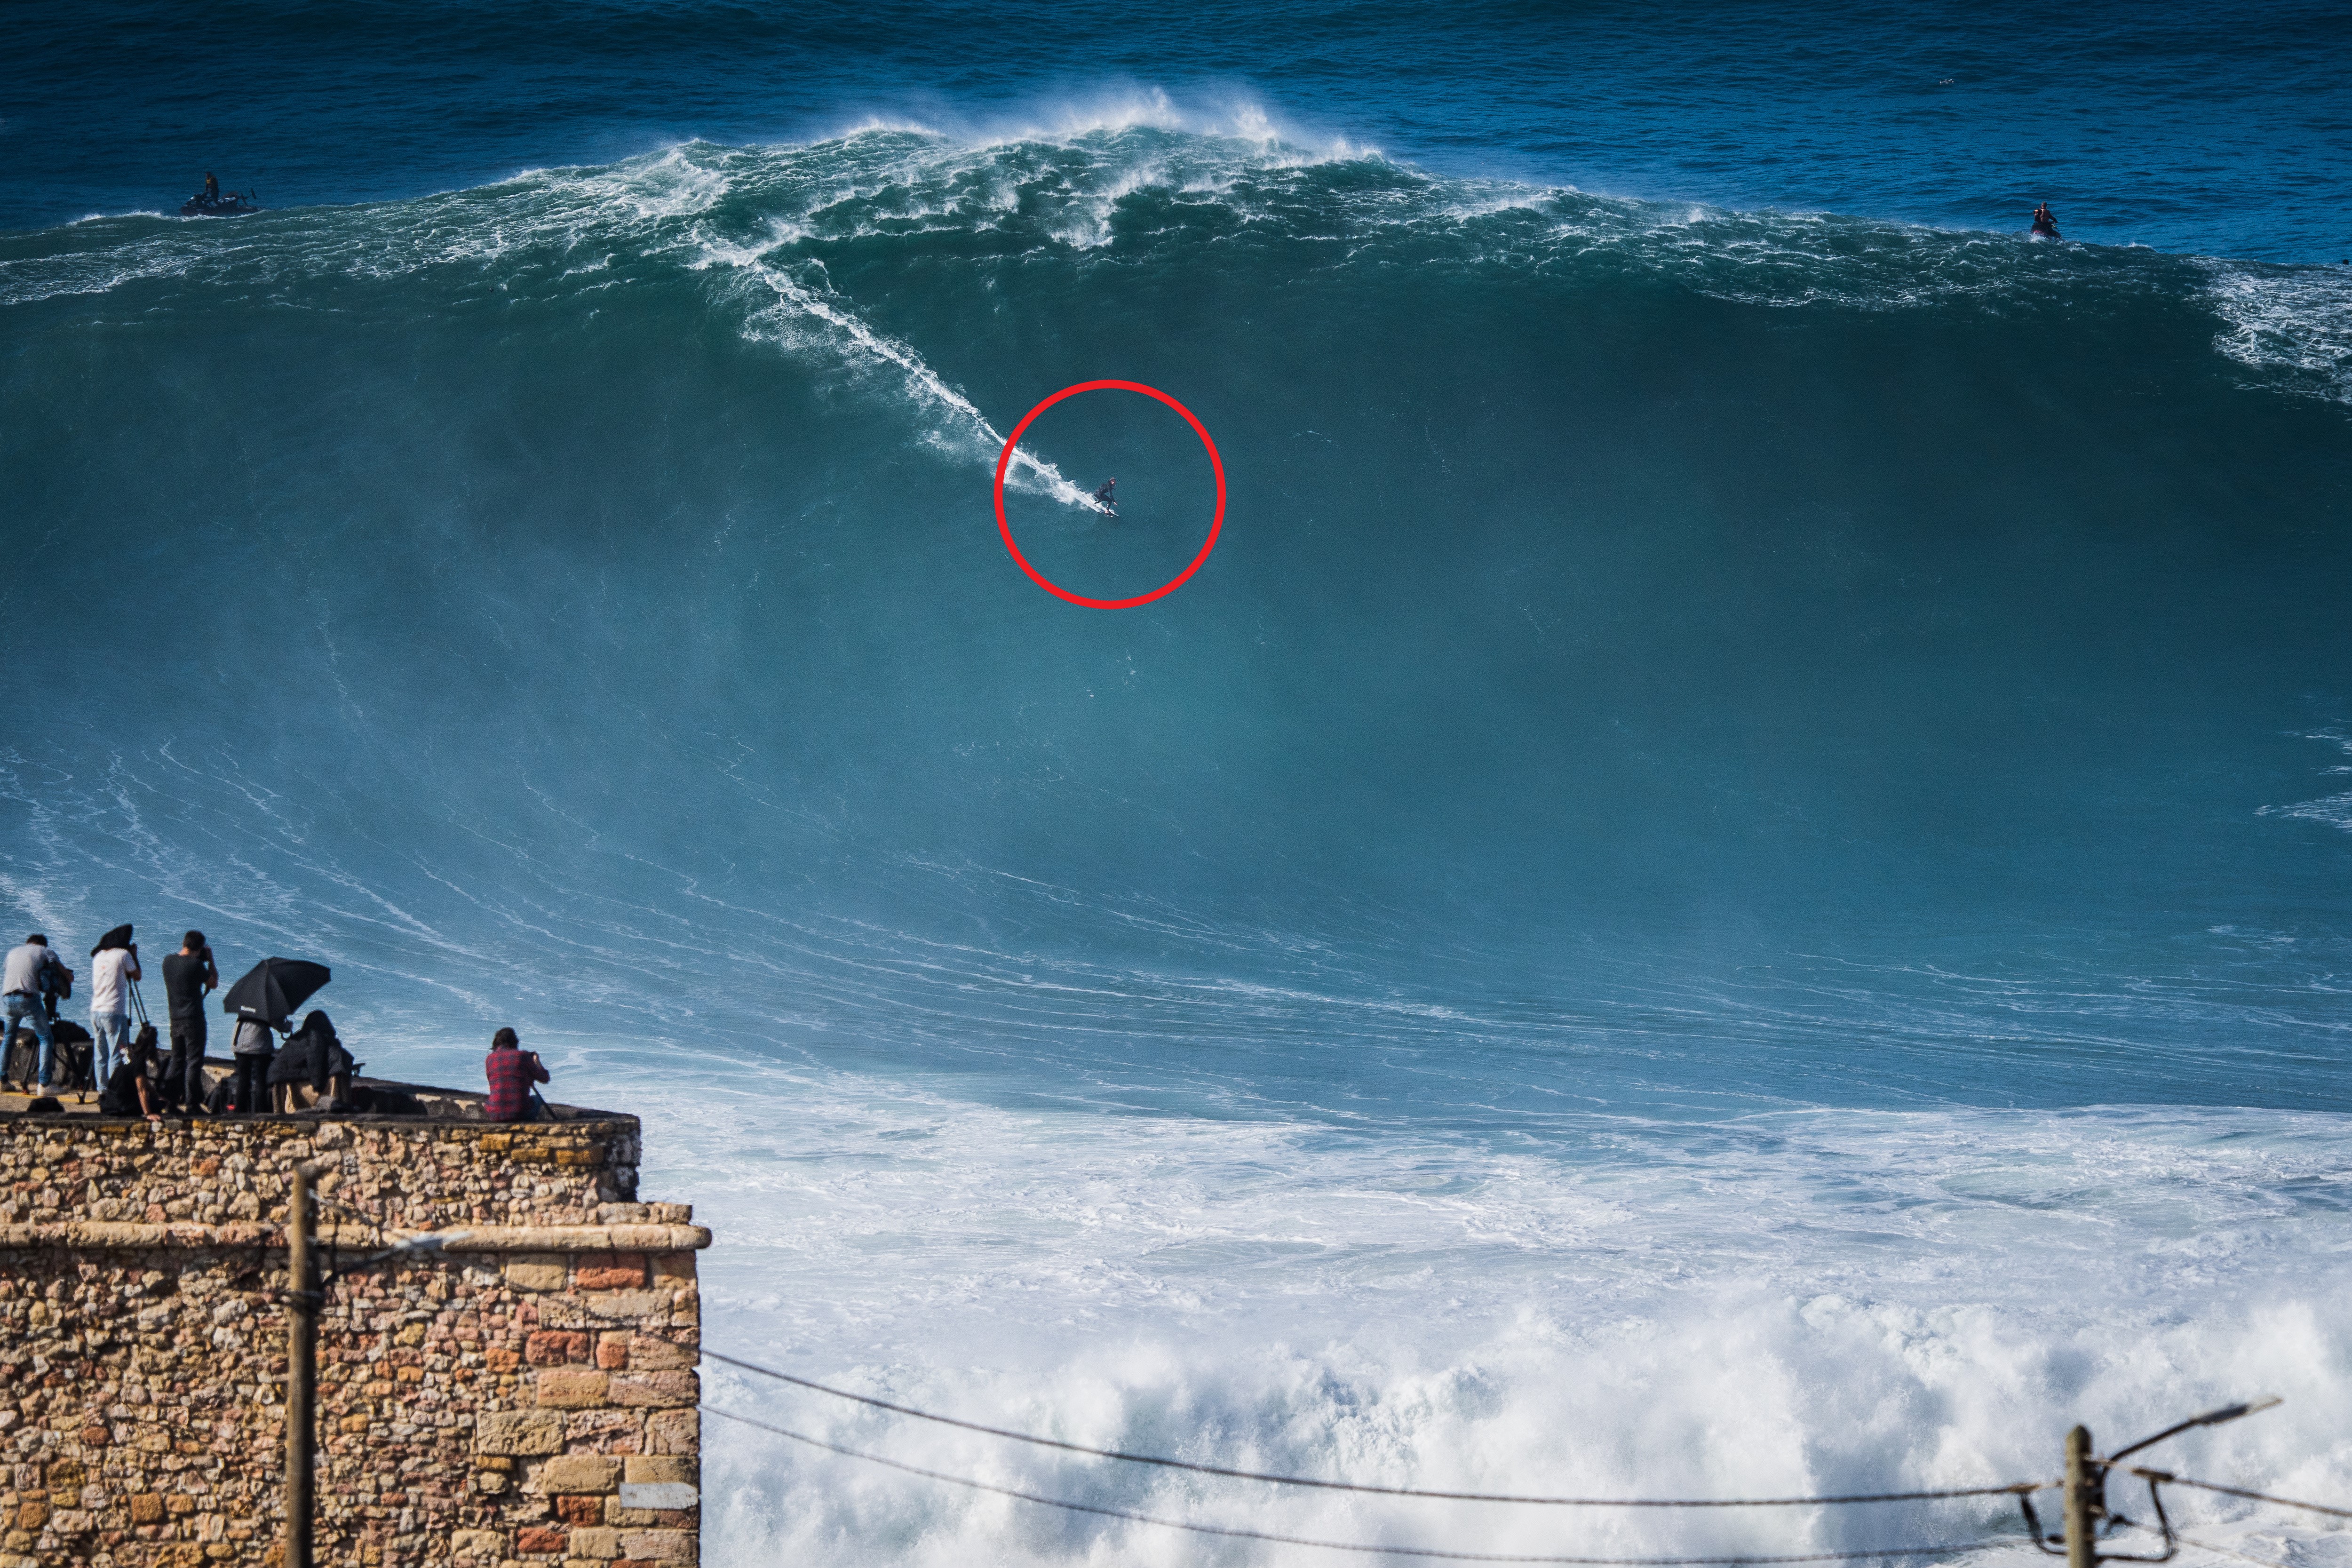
(187, 975)
(127, 1091)
(34, 980)
(114, 966)
(512, 1071)
(251, 1047)
(314, 1056)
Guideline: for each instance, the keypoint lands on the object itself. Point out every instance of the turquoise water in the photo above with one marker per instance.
(1733, 876)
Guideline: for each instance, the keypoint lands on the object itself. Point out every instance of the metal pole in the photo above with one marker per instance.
(302, 1372)
(2086, 1484)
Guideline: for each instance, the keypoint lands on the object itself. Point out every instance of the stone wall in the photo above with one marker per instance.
(417, 1174)
(527, 1397)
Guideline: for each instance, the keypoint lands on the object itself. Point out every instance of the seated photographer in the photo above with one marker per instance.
(129, 1091)
(312, 1059)
(512, 1072)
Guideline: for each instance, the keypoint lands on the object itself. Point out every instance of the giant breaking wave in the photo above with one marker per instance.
(1669, 909)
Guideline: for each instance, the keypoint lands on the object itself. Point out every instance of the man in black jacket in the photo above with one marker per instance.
(187, 975)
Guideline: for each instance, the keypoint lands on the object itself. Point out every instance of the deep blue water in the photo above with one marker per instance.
(2205, 129)
(1735, 877)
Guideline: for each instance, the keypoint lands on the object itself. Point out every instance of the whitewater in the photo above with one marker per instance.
(1731, 882)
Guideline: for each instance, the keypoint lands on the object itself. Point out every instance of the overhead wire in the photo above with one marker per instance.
(2168, 1478)
(2022, 1490)
(2228, 1551)
(1274, 1479)
(1369, 1548)
(2227, 1414)
(2215, 1547)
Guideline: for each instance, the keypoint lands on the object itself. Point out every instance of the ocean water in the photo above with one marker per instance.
(1732, 879)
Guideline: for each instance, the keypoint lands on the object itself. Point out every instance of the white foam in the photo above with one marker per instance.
(1819, 1302)
(2295, 323)
(2335, 810)
(1111, 112)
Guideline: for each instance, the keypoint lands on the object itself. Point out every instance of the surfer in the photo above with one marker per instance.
(2045, 221)
(1103, 496)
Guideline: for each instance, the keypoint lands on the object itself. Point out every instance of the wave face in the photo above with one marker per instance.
(1740, 796)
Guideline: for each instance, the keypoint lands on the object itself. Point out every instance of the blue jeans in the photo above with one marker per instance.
(110, 1041)
(28, 1012)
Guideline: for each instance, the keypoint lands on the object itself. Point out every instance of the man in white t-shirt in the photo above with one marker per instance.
(111, 971)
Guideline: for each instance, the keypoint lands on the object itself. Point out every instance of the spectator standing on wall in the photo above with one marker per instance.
(111, 969)
(187, 975)
(25, 976)
(512, 1071)
(252, 1047)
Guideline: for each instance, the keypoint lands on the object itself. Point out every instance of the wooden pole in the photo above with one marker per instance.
(302, 1372)
(2085, 1484)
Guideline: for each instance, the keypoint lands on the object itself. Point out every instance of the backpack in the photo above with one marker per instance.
(74, 1056)
(24, 1056)
(72, 1043)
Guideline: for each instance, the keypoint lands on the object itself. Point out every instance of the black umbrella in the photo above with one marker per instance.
(119, 937)
(273, 988)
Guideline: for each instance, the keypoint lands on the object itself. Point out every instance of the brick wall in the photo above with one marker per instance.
(527, 1398)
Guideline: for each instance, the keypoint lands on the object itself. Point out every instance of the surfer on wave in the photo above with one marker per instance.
(2045, 221)
(1103, 498)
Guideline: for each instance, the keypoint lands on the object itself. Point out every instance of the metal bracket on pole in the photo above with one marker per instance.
(2085, 1505)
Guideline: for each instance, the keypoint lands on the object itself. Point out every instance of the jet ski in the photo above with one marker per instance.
(230, 205)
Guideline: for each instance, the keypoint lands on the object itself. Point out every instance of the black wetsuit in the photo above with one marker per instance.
(1103, 496)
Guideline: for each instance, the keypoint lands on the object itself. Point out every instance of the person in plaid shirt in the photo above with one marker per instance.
(512, 1071)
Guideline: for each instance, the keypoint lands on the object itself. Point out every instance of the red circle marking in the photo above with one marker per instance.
(1004, 461)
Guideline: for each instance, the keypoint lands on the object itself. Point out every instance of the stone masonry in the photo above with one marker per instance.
(528, 1397)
